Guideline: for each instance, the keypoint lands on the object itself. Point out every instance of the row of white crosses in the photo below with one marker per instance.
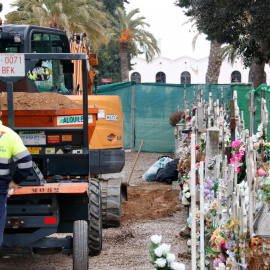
(236, 196)
(228, 189)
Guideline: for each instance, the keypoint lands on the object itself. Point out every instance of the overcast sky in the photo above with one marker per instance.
(166, 24)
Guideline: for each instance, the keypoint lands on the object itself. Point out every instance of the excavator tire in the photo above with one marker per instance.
(111, 202)
(95, 218)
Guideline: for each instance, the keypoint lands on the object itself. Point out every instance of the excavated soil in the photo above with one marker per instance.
(152, 208)
(149, 202)
(39, 101)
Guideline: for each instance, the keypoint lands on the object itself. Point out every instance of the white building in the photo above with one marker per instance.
(187, 70)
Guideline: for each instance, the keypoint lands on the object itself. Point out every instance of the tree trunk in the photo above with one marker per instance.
(256, 73)
(214, 63)
(124, 62)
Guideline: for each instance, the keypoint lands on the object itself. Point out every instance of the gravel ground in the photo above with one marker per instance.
(124, 248)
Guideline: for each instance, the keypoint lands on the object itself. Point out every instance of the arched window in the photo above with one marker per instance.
(264, 77)
(136, 76)
(185, 78)
(160, 77)
(236, 76)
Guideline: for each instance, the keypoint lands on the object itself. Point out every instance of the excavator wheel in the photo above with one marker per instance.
(111, 202)
(95, 218)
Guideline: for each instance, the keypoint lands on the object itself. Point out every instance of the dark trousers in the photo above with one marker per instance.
(3, 215)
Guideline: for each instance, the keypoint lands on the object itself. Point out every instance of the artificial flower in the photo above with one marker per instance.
(187, 194)
(223, 246)
(214, 205)
(170, 257)
(177, 266)
(160, 262)
(219, 239)
(186, 188)
(216, 262)
(158, 251)
(165, 249)
(156, 239)
(235, 144)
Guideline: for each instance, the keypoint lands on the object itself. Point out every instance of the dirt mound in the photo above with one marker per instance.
(149, 202)
(39, 101)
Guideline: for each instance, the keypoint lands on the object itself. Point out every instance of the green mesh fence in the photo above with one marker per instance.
(154, 103)
(243, 100)
(261, 91)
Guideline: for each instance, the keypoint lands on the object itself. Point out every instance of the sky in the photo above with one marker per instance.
(168, 24)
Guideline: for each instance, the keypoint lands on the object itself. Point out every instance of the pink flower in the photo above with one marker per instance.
(242, 150)
(238, 156)
(256, 144)
(189, 136)
(221, 257)
(232, 161)
(223, 246)
(235, 144)
(204, 130)
(217, 261)
(260, 172)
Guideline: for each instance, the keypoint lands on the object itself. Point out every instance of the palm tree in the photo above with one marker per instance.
(131, 35)
(215, 59)
(69, 15)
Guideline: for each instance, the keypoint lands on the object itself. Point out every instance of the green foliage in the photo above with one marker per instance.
(109, 60)
(109, 63)
(152, 248)
(72, 16)
(243, 24)
(141, 38)
(1, 7)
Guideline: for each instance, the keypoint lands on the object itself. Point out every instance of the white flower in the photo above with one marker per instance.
(177, 266)
(186, 188)
(170, 257)
(209, 217)
(185, 201)
(259, 134)
(160, 262)
(260, 127)
(254, 138)
(165, 248)
(158, 251)
(205, 209)
(187, 194)
(156, 239)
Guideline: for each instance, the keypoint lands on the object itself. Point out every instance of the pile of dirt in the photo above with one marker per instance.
(149, 202)
(39, 101)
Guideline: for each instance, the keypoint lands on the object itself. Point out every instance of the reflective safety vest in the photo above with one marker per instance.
(12, 147)
(33, 77)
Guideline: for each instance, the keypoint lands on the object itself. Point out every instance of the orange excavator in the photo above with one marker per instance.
(67, 147)
(107, 156)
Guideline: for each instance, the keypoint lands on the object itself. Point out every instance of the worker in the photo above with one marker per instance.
(33, 76)
(46, 74)
(11, 146)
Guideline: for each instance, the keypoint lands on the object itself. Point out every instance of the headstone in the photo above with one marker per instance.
(212, 144)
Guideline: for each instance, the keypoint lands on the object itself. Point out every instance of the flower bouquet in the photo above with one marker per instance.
(162, 259)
